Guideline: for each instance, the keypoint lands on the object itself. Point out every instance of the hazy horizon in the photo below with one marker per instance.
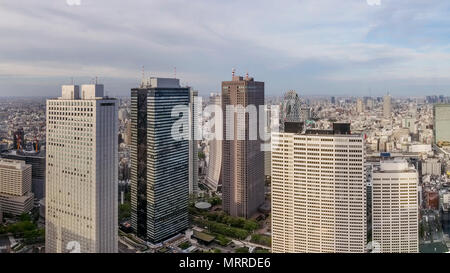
(328, 47)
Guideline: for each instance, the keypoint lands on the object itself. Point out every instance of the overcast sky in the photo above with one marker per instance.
(316, 47)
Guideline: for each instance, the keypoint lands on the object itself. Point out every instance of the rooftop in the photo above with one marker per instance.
(13, 164)
(394, 165)
(203, 236)
(25, 153)
(154, 82)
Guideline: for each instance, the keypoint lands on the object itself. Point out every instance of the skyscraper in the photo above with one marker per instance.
(215, 151)
(395, 207)
(359, 106)
(82, 169)
(242, 157)
(387, 107)
(441, 113)
(318, 191)
(159, 158)
(291, 108)
(195, 109)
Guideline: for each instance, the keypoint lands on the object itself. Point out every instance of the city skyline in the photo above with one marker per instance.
(177, 126)
(309, 46)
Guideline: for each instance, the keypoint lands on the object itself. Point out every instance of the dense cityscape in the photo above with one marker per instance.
(342, 174)
(224, 136)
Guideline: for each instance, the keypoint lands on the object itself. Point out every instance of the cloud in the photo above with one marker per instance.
(73, 2)
(373, 2)
(310, 45)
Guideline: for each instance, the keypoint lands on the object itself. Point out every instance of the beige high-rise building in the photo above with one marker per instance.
(318, 192)
(387, 106)
(395, 207)
(15, 187)
(82, 171)
(194, 109)
(359, 106)
(215, 151)
(242, 156)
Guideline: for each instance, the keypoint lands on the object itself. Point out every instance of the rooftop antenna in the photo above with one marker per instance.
(233, 71)
(96, 80)
(175, 72)
(246, 75)
(143, 77)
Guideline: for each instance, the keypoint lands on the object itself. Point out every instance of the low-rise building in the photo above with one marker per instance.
(16, 196)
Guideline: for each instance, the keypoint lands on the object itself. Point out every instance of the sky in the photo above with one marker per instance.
(316, 47)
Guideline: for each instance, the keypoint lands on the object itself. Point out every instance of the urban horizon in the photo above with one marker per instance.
(212, 135)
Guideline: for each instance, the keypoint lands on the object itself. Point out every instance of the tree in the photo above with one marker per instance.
(242, 250)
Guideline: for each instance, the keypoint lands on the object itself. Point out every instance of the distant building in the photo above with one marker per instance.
(15, 187)
(359, 106)
(194, 131)
(431, 199)
(387, 107)
(431, 166)
(395, 207)
(291, 108)
(213, 174)
(441, 113)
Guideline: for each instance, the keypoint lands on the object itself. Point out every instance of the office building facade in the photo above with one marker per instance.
(194, 138)
(387, 106)
(441, 113)
(318, 192)
(82, 169)
(213, 174)
(242, 157)
(15, 187)
(159, 159)
(395, 207)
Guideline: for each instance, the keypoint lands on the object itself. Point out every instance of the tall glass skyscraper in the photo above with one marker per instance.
(159, 161)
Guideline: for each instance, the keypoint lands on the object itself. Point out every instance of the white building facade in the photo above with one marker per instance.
(395, 207)
(82, 170)
(318, 193)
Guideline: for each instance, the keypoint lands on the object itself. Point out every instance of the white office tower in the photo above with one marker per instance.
(81, 180)
(387, 107)
(194, 123)
(215, 148)
(395, 223)
(318, 191)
